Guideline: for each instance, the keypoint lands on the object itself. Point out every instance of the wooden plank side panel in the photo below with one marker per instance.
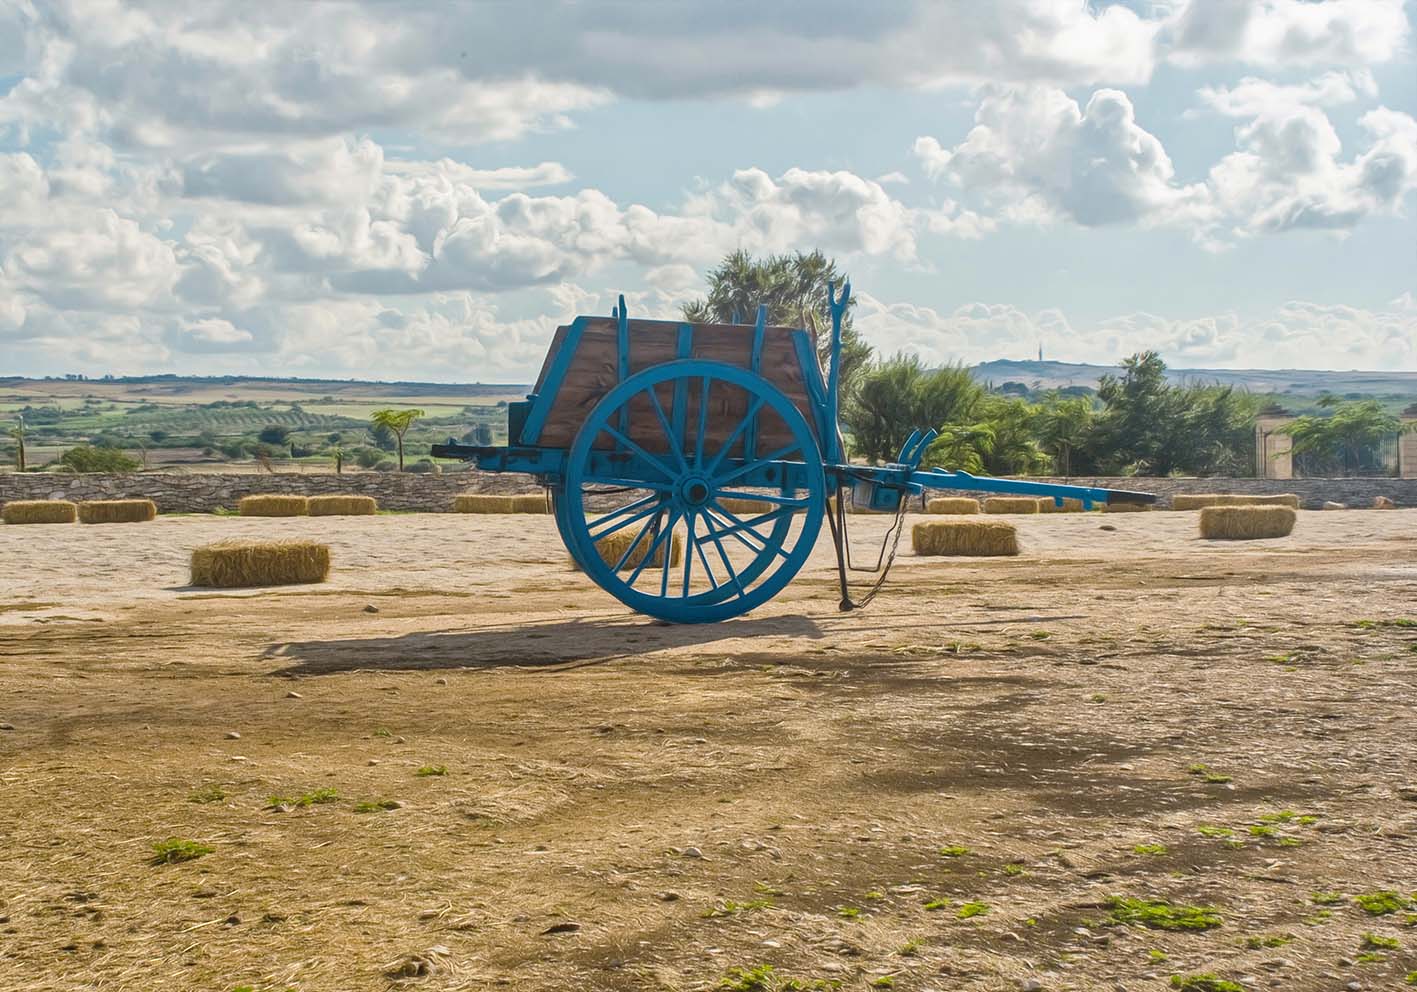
(592, 373)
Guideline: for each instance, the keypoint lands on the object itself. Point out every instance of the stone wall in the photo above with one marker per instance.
(203, 492)
(1313, 492)
(200, 492)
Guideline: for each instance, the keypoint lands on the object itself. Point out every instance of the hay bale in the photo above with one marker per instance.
(39, 511)
(530, 503)
(1200, 502)
(239, 564)
(1048, 505)
(612, 547)
(1383, 503)
(746, 507)
(1126, 507)
(1192, 501)
(1011, 504)
(343, 505)
(1246, 523)
(117, 511)
(952, 504)
(482, 503)
(967, 538)
(273, 505)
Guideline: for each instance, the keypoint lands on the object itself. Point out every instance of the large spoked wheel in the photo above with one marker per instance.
(652, 503)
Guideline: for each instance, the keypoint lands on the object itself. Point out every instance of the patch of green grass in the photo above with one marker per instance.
(175, 850)
(429, 771)
(1156, 956)
(1376, 942)
(971, 909)
(1162, 915)
(848, 912)
(1406, 622)
(935, 904)
(1268, 940)
(875, 895)
(1381, 902)
(759, 979)
(1290, 842)
(1149, 849)
(1206, 775)
(884, 982)
(1040, 635)
(376, 806)
(1205, 983)
(383, 732)
(910, 948)
(1370, 957)
(1013, 869)
(1289, 816)
(1263, 830)
(729, 907)
(1206, 830)
(1325, 898)
(317, 797)
(953, 851)
(207, 794)
(1412, 978)
(1319, 918)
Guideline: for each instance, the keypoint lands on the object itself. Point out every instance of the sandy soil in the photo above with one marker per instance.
(629, 805)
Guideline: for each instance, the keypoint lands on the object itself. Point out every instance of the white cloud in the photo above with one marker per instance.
(1295, 335)
(1288, 33)
(1034, 154)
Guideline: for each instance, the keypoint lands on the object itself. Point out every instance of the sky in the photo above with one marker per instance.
(395, 190)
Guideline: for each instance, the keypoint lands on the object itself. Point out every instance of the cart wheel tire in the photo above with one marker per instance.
(671, 495)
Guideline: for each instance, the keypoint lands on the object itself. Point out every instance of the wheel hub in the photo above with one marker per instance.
(695, 491)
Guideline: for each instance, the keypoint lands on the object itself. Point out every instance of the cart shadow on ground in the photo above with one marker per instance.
(551, 646)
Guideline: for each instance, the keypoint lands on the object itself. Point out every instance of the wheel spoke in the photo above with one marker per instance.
(613, 480)
(640, 451)
(732, 573)
(668, 431)
(689, 520)
(753, 408)
(739, 526)
(747, 467)
(657, 543)
(601, 535)
(635, 543)
(797, 502)
(703, 559)
(703, 424)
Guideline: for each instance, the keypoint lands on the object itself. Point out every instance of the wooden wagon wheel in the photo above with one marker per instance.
(683, 554)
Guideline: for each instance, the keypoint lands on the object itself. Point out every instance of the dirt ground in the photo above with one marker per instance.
(948, 791)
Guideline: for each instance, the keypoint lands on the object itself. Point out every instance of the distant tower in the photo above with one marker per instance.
(1040, 351)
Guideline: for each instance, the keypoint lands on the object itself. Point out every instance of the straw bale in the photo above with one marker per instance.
(967, 538)
(1011, 504)
(952, 504)
(117, 511)
(236, 564)
(273, 505)
(39, 511)
(1246, 523)
(343, 505)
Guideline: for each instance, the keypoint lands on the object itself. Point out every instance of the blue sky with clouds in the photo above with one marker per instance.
(419, 190)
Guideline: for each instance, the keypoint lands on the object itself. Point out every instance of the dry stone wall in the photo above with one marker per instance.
(203, 493)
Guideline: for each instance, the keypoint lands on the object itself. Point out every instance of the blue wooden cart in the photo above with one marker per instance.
(714, 451)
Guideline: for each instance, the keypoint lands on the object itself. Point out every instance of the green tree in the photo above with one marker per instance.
(18, 433)
(1064, 425)
(1015, 449)
(86, 458)
(1342, 437)
(898, 395)
(960, 448)
(794, 289)
(396, 422)
(274, 434)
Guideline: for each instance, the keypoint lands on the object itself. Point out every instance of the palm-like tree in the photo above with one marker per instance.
(397, 421)
(794, 289)
(1063, 428)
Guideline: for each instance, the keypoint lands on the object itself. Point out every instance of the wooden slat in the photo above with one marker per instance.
(593, 373)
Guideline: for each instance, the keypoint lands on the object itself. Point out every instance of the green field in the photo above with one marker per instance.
(211, 424)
